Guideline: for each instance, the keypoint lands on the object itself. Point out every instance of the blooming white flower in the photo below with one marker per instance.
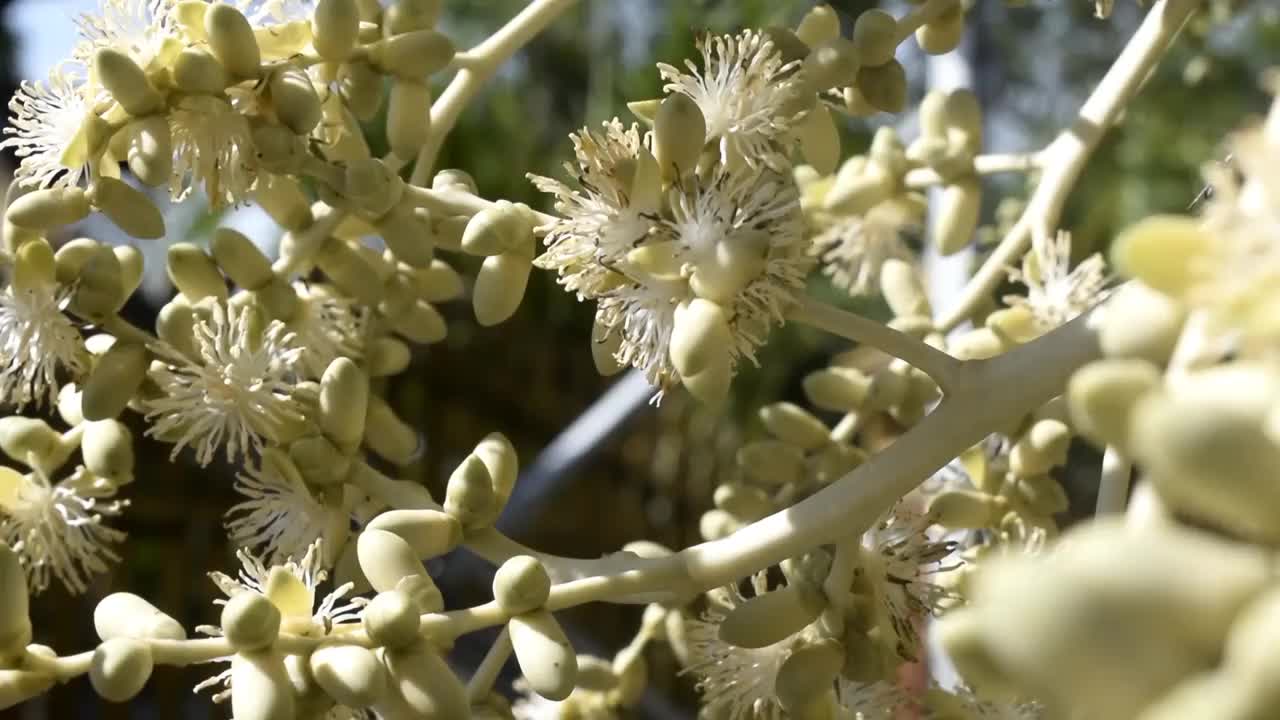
(854, 248)
(58, 529)
(742, 90)
(329, 325)
(868, 701)
(1056, 292)
(237, 392)
(291, 587)
(282, 515)
(902, 561)
(142, 29)
(212, 148)
(961, 701)
(49, 128)
(36, 341)
(582, 704)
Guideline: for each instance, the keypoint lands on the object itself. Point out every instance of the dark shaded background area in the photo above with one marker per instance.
(533, 375)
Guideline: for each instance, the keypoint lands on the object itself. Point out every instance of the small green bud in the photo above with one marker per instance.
(545, 656)
(835, 460)
(875, 33)
(499, 228)
(49, 209)
(413, 55)
(250, 621)
(260, 684)
(711, 386)
(100, 288)
(469, 494)
(294, 98)
(335, 25)
(408, 116)
(149, 150)
(107, 447)
(120, 669)
(771, 617)
(132, 265)
(126, 82)
(794, 425)
(391, 619)
(884, 86)
(521, 585)
(125, 615)
(344, 403)
(319, 460)
(500, 287)
(350, 674)
(195, 274)
(679, 132)
(131, 210)
(232, 41)
(715, 524)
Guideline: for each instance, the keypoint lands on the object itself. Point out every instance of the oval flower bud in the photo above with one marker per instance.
(334, 27)
(349, 271)
(284, 201)
(1138, 322)
(294, 98)
(469, 494)
(408, 116)
(386, 356)
(745, 503)
(499, 228)
(793, 424)
(107, 446)
(884, 86)
(100, 288)
(833, 64)
(1041, 448)
(605, 344)
(131, 267)
(125, 615)
(943, 34)
(194, 273)
(49, 209)
(344, 403)
(351, 675)
(875, 32)
(260, 686)
(1161, 251)
(388, 435)
(20, 436)
(903, 290)
(231, 40)
(431, 533)
(131, 210)
(957, 215)
(818, 26)
(240, 259)
(250, 621)
(150, 150)
(820, 139)
(963, 509)
(545, 656)
(771, 463)
(521, 585)
(20, 685)
(421, 323)
(120, 669)
(34, 266)
(15, 615)
(391, 619)
(837, 389)
(361, 87)
(385, 558)
(769, 618)
(409, 15)
(413, 55)
(808, 672)
(700, 336)
(679, 133)
(1101, 397)
(437, 282)
(196, 71)
(175, 325)
(426, 682)
(859, 186)
(499, 458)
(500, 287)
(126, 82)
(407, 237)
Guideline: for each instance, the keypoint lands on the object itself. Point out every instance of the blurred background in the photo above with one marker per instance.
(630, 470)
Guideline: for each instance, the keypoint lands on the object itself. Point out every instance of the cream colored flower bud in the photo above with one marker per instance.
(859, 186)
(469, 494)
(240, 259)
(294, 98)
(49, 209)
(884, 86)
(835, 460)
(964, 509)
(499, 228)
(964, 120)
(745, 503)
(34, 266)
(715, 524)
(131, 210)
(808, 672)
(361, 87)
(500, 287)
(126, 82)
(132, 265)
(149, 150)
(284, 201)
(545, 656)
(335, 25)
(194, 273)
(875, 32)
(196, 71)
(794, 425)
(1250, 652)
(351, 675)
(250, 621)
(422, 592)
(769, 618)
(260, 686)
(413, 55)
(391, 619)
(175, 325)
(833, 64)
(961, 634)
(1161, 251)
(700, 336)
(711, 386)
(605, 344)
(407, 236)
(420, 323)
(820, 139)
(15, 613)
(107, 446)
(20, 436)
(1102, 396)
(521, 585)
(1205, 447)
(430, 533)
(499, 458)
(385, 558)
(69, 404)
(1139, 322)
(679, 133)
(1040, 449)
(100, 287)
(819, 26)
(386, 356)
(349, 271)
(426, 682)
(903, 290)
(125, 615)
(19, 685)
(388, 435)
(1013, 325)
(344, 403)
(321, 462)
(957, 215)
(278, 299)
(408, 15)
(408, 116)
(944, 33)
(120, 669)
(771, 463)
(231, 40)
(837, 389)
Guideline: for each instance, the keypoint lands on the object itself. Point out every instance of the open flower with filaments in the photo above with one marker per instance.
(282, 515)
(49, 128)
(58, 529)
(328, 326)
(854, 248)
(1056, 292)
(212, 148)
(142, 29)
(238, 391)
(36, 341)
(901, 561)
(741, 90)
